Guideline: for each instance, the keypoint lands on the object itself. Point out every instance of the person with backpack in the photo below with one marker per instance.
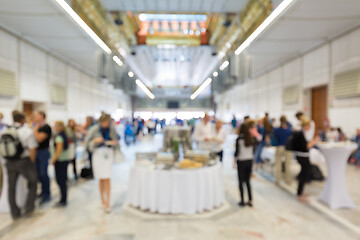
(18, 147)
(42, 132)
(282, 135)
(60, 160)
(301, 147)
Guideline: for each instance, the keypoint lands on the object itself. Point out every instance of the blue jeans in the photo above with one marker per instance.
(258, 151)
(42, 163)
(60, 171)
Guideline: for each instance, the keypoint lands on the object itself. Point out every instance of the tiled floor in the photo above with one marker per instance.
(276, 215)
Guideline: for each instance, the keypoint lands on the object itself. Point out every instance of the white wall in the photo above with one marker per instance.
(317, 68)
(36, 70)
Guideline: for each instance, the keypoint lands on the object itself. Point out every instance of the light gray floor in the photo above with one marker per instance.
(276, 215)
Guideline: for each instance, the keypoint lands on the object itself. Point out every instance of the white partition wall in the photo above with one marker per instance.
(37, 73)
(316, 68)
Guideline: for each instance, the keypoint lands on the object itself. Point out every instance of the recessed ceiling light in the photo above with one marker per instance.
(131, 74)
(215, 74)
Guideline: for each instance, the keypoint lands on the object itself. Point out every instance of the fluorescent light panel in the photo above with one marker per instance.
(144, 89)
(280, 9)
(201, 88)
(83, 25)
(118, 61)
(224, 65)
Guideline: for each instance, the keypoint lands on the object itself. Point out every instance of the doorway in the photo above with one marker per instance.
(319, 105)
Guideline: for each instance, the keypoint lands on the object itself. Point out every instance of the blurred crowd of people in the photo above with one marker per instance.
(29, 144)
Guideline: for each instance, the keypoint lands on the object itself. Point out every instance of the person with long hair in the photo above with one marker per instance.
(102, 140)
(243, 159)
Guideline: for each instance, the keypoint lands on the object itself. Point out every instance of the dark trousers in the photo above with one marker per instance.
(60, 172)
(73, 162)
(220, 154)
(42, 163)
(244, 173)
(27, 169)
(90, 162)
(304, 173)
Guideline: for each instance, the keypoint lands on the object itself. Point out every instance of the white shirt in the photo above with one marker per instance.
(220, 138)
(203, 131)
(310, 134)
(27, 139)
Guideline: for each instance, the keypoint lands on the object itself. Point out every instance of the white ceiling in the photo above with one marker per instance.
(305, 25)
(42, 22)
(175, 67)
(175, 5)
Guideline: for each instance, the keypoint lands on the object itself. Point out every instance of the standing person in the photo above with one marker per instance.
(243, 159)
(60, 160)
(72, 139)
(234, 122)
(42, 132)
(310, 134)
(102, 140)
(21, 163)
(219, 139)
(260, 143)
(2, 125)
(282, 135)
(301, 147)
(203, 133)
(88, 125)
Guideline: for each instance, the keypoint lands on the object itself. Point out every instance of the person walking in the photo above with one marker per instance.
(22, 162)
(60, 160)
(102, 140)
(301, 148)
(243, 159)
(42, 132)
(281, 136)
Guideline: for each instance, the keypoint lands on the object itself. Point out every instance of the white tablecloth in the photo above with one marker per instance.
(316, 157)
(21, 190)
(176, 191)
(335, 193)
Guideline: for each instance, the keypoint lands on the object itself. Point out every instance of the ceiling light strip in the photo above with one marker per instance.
(118, 61)
(276, 13)
(201, 88)
(83, 25)
(144, 89)
(224, 65)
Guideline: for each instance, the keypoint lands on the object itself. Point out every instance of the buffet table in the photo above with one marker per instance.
(21, 190)
(335, 193)
(176, 191)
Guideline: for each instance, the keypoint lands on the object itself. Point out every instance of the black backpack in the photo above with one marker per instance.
(10, 145)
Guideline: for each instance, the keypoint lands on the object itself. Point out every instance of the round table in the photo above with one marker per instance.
(176, 191)
(335, 193)
(21, 190)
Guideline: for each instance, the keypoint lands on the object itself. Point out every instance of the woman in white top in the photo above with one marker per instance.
(243, 158)
(203, 133)
(219, 139)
